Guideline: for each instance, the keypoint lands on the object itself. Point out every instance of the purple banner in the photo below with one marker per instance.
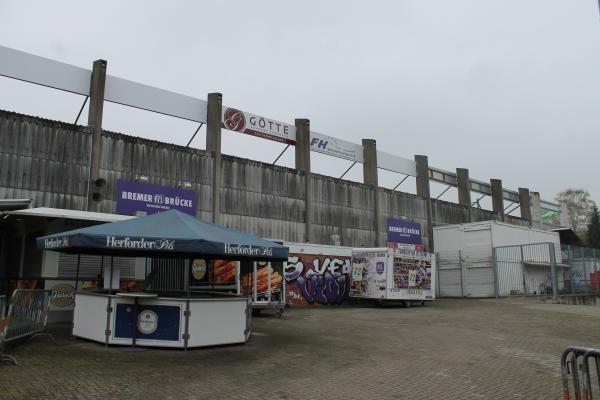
(134, 197)
(400, 231)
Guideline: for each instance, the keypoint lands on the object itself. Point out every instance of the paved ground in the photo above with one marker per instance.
(453, 349)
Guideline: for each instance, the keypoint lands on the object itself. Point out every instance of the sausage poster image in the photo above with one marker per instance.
(263, 270)
(313, 279)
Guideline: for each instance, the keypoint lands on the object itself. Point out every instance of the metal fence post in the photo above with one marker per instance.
(554, 277)
(437, 273)
(523, 270)
(583, 265)
(495, 265)
(571, 267)
(460, 263)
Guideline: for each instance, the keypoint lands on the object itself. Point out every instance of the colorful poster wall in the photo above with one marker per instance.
(411, 274)
(317, 279)
(369, 274)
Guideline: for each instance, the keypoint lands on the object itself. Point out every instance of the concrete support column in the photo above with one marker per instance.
(213, 146)
(564, 219)
(370, 177)
(497, 198)
(423, 191)
(303, 166)
(96, 110)
(524, 205)
(536, 210)
(464, 190)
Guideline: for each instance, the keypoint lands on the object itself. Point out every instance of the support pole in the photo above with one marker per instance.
(371, 178)
(348, 170)
(81, 110)
(213, 146)
(553, 270)
(77, 272)
(303, 166)
(188, 273)
(401, 182)
(464, 190)
(97, 86)
(194, 135)
(497, 198)
(423, 192)
(280, 154)
(110, 278)
(444, 191)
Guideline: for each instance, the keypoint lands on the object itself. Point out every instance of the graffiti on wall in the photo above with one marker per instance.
(313, 279)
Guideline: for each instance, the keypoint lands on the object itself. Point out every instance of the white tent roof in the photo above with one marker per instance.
(69, 214)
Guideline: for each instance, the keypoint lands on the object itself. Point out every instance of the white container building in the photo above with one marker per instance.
(467, 262)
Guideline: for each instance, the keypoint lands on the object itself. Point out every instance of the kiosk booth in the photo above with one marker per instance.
(168, 318)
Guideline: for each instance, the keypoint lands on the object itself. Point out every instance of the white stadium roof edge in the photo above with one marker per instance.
(70, 78)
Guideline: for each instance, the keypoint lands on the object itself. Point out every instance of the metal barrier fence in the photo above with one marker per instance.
(584, 276)
(537, 269)
(27, 315)
(3, 304)
(575, 361)
(544, 269)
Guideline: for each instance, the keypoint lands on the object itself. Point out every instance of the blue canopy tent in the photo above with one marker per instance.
(170, 234)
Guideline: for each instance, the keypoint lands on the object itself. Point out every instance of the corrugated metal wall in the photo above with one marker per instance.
(43, 160)
(47, 161)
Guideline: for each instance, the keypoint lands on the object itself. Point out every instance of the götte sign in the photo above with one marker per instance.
(255, 125)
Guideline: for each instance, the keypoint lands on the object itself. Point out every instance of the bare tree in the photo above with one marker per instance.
(580, 207)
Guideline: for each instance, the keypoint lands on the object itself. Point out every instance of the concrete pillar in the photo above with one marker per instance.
(423, 191)
(213, 145)
(524, 205)
(370, 177)
(464, 190)
(536, 210)
(564, 219)
(303, 166)
(96, 109)
(497, 198)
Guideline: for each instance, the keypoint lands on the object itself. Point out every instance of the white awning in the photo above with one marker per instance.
(69, 214)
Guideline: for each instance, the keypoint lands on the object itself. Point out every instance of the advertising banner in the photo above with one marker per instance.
(154, 322)
(411, 275)
(401, 231)
(335, 147)
(265, 272)
(62, 294)
(369, 274)
(317, 279)
(213, 273)
(255, 125)
(135, 197)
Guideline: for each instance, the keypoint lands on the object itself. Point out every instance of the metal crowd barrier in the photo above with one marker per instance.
(579, 361)
(26, 318)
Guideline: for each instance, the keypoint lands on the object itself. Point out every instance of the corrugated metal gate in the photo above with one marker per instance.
(91, 266)
(466, 273)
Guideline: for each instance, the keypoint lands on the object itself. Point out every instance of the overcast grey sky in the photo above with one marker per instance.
(509, 89)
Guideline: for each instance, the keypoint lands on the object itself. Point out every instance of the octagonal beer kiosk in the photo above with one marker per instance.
(176, 317)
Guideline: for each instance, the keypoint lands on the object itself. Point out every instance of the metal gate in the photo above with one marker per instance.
(529, 270)
(466, 273)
